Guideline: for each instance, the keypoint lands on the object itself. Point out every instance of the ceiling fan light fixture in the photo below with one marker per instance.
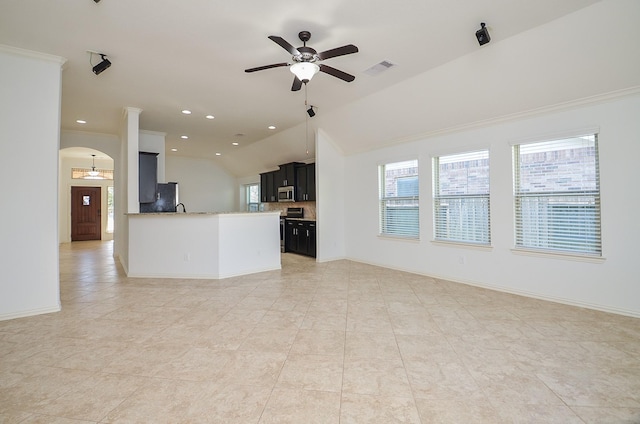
(304, 71)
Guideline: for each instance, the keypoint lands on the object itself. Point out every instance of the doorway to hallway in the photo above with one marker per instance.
(86, 213)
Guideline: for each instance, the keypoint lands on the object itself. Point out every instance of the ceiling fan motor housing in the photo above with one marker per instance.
(307, 54)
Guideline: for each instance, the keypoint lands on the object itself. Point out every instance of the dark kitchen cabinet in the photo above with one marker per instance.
(147, 176)
(270, 181)
(286, 176)
(306, 183)
(300, 237)
(268, 188)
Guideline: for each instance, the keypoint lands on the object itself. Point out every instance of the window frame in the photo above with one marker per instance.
(247, 197)
(520, 246)
(384, 200)
(437, 198)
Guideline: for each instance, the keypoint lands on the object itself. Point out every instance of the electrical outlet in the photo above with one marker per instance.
(462, 260)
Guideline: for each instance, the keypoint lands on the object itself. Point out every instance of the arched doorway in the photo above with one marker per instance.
(85, 178)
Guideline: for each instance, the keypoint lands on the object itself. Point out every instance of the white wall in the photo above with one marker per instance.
(330, 203)
(611, 285)
(153, 142)
(203, 186)
(29, 140)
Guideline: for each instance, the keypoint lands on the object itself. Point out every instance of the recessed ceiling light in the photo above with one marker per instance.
(186, 112)
(235, 143)
(218, 153)
(174, 150)
(209, 116)
(271, 127)
(81, 121)
(184, 137)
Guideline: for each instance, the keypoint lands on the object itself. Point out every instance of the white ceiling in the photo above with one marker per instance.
(173, 55)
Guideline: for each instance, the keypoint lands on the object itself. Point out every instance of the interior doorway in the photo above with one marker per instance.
(86, 217)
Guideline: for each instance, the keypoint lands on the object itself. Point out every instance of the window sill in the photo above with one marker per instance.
(558, 255)
(398, 238)
(459, 244)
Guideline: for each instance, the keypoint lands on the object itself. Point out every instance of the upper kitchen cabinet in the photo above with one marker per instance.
(147, 176)
(283, 177)
(268, 189)
(286, 176)
(306, 183)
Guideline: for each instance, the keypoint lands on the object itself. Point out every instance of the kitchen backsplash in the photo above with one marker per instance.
(309, 208)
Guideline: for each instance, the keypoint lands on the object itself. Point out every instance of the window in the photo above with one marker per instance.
(252, 192)
(399, 202)
(461, 197)
(110, 209)
(557, 195)
(88, 174)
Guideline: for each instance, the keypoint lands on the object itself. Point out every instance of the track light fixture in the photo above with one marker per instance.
(311, 112)
(483, 34)
(102, 66)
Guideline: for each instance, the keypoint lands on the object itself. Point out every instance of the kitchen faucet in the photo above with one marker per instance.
(184, 210)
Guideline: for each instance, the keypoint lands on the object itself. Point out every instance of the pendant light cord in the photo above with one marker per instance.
(306, 120)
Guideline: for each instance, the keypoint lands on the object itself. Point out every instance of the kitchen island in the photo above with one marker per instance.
(207, 245)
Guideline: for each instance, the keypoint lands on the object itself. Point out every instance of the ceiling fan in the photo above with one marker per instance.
(304, 65)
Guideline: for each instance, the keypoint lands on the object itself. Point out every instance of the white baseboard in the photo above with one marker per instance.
(30, 313)
(564, 301)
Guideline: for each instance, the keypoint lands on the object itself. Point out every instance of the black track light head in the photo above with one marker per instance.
(311, 112)
(102, 66)
(483, 34)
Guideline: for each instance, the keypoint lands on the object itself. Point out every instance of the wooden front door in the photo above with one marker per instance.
(85, 213)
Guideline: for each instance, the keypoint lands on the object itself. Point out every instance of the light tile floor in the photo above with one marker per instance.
(340, 342)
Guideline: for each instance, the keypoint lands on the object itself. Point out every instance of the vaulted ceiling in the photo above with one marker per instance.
(173, 55)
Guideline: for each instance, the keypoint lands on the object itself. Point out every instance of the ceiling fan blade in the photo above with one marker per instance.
(284, 44)
(297, 84)
(260, 68)
(338, 51)
(336, 73)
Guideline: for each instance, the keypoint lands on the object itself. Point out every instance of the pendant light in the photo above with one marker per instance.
(93, 174)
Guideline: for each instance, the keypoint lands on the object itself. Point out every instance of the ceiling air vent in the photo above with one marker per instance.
(378, 68)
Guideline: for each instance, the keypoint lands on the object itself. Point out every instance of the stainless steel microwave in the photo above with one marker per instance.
(286, 194)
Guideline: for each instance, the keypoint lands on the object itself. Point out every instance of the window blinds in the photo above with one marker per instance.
(399, 199)
(461, 198)
(557, 195)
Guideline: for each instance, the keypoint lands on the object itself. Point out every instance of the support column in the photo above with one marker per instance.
(132, 143)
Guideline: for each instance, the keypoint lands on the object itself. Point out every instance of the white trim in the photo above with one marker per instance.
(564, 301)
(33, 54)
(558, 255)
(462, 244)
(30, 313)
(459, 150)
(202, 276)
(556, 135)
(398, 238)
(390, 160)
